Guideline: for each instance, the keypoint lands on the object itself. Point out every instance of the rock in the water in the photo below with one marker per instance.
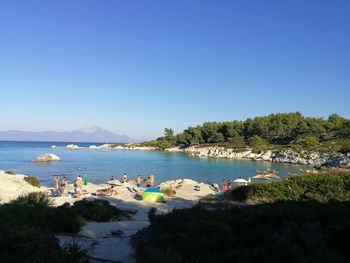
(72, 147)
(47, 157)
(93, 147)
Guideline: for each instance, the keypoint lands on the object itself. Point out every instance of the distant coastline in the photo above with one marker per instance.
(88, 134)
(318, 159)
(61, 142)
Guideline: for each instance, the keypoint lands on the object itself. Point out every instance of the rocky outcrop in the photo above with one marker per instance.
(134, 147)
(338, 161)
(174, 149)
(73, 147)
(93, 147)
(108, 146)
(47, 157)
(287, 156)
(310, 158)
(229, 153)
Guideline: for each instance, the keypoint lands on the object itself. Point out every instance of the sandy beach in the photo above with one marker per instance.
(98, 237)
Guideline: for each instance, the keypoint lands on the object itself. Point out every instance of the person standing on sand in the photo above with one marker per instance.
(56, 181)
(125, 178)
(77, 187)
(138, 181)
(229, 184)
(148, 182)
(152, 179)
(224, 185)
(63, 184)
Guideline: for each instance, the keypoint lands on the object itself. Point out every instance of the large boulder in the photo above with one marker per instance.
(47, 157)
(94, 147)
(72, 147)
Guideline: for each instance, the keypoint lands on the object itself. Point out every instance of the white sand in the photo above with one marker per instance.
(96, 237)
(12, 186)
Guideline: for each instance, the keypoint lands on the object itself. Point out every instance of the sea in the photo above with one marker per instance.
(100, 165)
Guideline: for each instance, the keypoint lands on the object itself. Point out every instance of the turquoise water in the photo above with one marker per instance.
(100, 165)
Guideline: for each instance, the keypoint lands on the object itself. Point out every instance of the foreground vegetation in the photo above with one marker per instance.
(99, 210)
(307, 229)
(27, 231)
(29, 223)
(327, 187)
(291, 130)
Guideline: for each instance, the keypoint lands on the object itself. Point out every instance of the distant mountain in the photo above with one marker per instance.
(88, 134)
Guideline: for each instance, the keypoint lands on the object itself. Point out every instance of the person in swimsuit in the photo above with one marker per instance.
(56, 181)
(152, 179)
(77, 185)
(63, 184)
(125, 178)
(148, 182)
(138, 181)
(106, 192)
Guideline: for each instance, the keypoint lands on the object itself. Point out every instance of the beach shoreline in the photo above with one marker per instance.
(333, 160)
(109, 247)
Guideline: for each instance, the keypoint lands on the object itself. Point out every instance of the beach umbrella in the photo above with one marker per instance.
(241, 181)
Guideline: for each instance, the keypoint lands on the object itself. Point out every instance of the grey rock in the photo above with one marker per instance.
(47, 157)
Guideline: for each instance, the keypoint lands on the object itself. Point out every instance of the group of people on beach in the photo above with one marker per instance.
(228, 184)
(138, 180)
(61, 184)
(80, 185)
(60, 188)
(149, 181)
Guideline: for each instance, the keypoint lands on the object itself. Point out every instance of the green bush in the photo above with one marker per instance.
(63, 219)
(258, 144)
(98, 210)
(28, 244)
(164, 144)
(344, 145)
(75, 254)
(286, 232)
(10, 172)
(32, 245)
(320, 187)
(306, 142)
(35, 199)
(35, 209)
(27, 229)
(32, 180)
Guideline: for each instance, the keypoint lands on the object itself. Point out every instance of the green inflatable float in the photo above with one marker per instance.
(153, 195)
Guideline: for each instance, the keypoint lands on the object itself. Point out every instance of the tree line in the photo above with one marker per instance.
(274, 129)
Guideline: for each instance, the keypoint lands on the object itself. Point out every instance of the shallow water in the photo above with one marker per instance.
(100, 165)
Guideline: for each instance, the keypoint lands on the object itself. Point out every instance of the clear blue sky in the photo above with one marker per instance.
(135, 67)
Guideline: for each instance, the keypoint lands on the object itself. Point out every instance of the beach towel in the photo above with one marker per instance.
(153, 195)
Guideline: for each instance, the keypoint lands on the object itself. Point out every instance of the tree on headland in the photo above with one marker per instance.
(168, 133)
(281, 129)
